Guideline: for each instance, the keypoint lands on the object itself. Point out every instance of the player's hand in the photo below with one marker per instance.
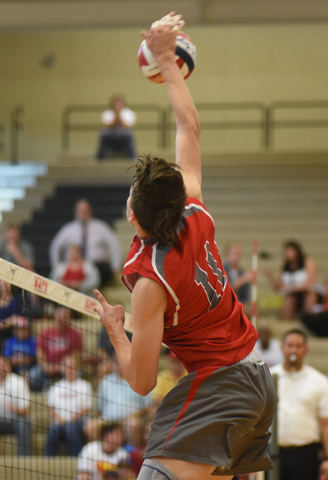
(162, 35)
(175, 21)
(111, 317)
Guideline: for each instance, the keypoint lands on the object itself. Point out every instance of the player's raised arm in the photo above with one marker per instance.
(161, 41)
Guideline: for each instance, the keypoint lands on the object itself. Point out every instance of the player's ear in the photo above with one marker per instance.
(132, 218)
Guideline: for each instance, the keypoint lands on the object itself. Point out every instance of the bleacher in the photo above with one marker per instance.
(268, 197)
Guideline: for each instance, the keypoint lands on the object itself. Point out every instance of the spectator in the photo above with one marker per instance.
(297, 281)
(69, 401)
(14, 407)
(238, 278)
(302, 412)
(168, 378)
(117, 136)
(20, 348)
(77, 273)
(97, 458)
(97, 242)
(11, 303)
(115, 400)
(52, 346)
(318, 322)
(269, 348)
(15, 250)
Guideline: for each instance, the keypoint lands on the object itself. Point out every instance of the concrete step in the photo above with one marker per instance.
(41, 468)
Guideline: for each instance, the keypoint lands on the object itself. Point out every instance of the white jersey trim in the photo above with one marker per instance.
(177, 301)
(129, 263)
(199, 207)
(135, 256)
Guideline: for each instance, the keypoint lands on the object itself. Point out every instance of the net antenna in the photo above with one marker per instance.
(254, 310)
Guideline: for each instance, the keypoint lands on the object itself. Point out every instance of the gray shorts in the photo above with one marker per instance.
(219, 417)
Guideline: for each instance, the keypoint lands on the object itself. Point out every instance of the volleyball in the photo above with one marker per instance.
(185, 57)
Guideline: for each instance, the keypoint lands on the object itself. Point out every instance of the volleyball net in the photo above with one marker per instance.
(61, 389)
(64, 393)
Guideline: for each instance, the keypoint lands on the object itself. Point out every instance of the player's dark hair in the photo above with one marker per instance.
(158, 198)
(300, 256)
(296, 331)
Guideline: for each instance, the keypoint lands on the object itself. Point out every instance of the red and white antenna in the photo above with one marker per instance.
(254, 283)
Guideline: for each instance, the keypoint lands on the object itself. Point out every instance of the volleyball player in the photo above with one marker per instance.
(216, 420)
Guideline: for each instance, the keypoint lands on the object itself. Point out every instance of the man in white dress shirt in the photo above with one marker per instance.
(96, 239)
(302, 413)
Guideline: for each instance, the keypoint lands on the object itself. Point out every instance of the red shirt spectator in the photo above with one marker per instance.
(52, 346)
(57, 344)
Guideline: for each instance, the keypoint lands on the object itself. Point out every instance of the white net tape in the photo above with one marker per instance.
(34, 283)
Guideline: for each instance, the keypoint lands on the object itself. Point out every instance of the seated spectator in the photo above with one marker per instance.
(77, 273)
(14, 407)
(117, 137)
(100, 457)
(168, 378)
(11, 303)
(297, 281)
(69, 401)
(21, 347)
(96, 240)
(317, 321)
(238, 278)
(52, 346)
(269, 348)
(15, 250)
(115, 401)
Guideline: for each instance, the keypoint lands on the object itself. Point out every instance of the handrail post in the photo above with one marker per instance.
(271, 124)
(15, 126)
(267, 127)
(65, 129)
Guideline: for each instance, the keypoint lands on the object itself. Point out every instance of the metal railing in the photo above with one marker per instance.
(261, 124)
(15, 126)
(267, 122)
(279, 106)
(69, 126)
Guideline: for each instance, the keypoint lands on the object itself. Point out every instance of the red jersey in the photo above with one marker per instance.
(58, 344)
(204, 323)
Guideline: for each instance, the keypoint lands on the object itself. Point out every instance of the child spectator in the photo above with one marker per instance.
(21, 347)
(77, 273)
(101, 457)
